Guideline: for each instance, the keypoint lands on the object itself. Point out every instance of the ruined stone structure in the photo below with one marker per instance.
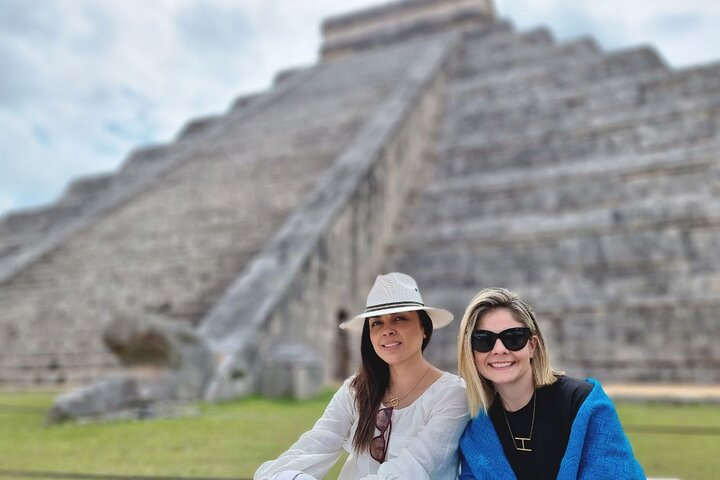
(432, 138)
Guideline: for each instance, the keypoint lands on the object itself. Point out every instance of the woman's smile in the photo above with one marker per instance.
(501, 365)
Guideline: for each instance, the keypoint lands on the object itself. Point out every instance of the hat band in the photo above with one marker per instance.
(385, 306)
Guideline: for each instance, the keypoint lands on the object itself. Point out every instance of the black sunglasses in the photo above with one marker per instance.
(378, 445)
(514, 339)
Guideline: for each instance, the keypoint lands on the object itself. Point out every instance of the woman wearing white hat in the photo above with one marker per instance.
(398, 417)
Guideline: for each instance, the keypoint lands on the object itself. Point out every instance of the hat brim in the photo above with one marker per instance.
(439, 316)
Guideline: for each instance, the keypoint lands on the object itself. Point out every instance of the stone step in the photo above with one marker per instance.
(682, 159)
(199, 126)
(76, 376)
(560, 74)
(292, 118)
(618, 251)
(86, 188)
(633, 257)
(532, 54)
(607, 181)
(58, 367)
(18, 226)
(30, 224)
(637, 335)
(477, 129)
(282, 76)
(624, 92)
(573, 289)
(507, 42)
(691, 210)
(142, 159)
(702, 371)
(641, 131)
(138, 259)
(51, 360)
(202, 289)
(487, 30)
(244, 101)
(40, 338)
(170, 256)
(357, 69)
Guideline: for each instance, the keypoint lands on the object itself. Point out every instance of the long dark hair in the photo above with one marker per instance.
(371, 382)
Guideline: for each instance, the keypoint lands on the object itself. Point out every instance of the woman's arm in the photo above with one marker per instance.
(317, 450)
(598, 446)
(607, 451)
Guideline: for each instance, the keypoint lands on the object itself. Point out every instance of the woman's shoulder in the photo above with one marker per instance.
(447, 386)
(569, 393)
(573, 386)
(448, 379)
(346, 390)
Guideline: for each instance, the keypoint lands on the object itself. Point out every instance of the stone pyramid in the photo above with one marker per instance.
(432, 138)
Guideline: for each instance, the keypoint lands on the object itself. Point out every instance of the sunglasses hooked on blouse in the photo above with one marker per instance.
(379, 444)
(514, 339)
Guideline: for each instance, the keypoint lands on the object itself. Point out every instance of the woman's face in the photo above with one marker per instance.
(396, 337)
(501, 366)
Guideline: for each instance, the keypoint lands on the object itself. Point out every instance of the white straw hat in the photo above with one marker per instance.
(393, 293)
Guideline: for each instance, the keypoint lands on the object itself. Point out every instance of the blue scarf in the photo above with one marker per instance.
(597, 447)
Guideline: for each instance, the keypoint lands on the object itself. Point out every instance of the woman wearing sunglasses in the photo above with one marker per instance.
(398, 417)
(528, 420)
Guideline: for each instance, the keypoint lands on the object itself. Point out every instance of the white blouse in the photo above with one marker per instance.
(423, 442)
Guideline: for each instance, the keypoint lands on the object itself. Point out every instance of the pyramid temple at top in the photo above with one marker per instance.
(432, 138)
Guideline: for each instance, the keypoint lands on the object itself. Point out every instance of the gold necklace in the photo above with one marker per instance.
(523, 447)
(393, 401)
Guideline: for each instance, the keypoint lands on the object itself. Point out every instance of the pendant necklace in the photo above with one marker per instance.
(522, 440)
(394, 401)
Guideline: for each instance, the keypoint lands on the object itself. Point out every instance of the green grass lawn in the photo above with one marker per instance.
(693, 455)
(226, 440)
(232, 439)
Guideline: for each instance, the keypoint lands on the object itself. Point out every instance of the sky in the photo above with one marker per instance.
(84, 82)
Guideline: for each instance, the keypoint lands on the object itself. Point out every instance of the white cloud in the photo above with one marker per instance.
(7, 202)
(85, 81)
(685, 33)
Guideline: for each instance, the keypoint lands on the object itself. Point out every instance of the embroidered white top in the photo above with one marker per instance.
(423, 442)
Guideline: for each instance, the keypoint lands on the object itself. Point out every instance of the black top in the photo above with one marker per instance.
(555, 408)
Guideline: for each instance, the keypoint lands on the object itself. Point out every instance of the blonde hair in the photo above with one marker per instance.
(480, 391)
